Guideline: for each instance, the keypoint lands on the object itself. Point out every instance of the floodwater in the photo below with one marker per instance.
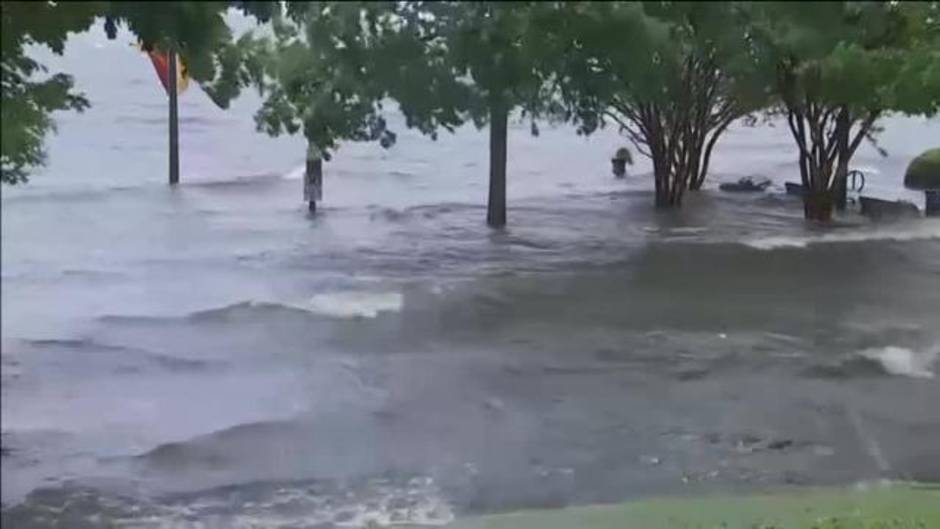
(211, 356)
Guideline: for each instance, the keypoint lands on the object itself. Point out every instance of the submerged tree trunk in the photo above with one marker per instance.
(823, 134)
(496, 204)
(313, 177)
(817, 205)
(840, 192)
(840, 184)
(679, 131)
(664, 175)
(661, 177)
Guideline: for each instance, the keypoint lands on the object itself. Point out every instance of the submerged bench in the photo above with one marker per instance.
(878, 208)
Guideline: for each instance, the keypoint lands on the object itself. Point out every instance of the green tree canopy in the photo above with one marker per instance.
(671, 75)
(834, 69)
(329, 68)
(469, 62)
(319, 73)
(197, 30)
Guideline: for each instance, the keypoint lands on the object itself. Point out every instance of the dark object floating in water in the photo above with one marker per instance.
(878, 208)
(780, 444)
(745, 185)
(619, 162)
(793, 188)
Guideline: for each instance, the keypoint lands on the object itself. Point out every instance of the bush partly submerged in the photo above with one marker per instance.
(924, 171)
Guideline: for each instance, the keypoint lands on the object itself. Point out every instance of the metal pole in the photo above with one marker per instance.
(174, 122)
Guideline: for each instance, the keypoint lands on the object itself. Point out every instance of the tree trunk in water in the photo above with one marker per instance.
(661, 176)
(841, 191)
(667, 192)
(840, 186)
(496, 205)
(669, 182)
(662, 199)
(817, 205)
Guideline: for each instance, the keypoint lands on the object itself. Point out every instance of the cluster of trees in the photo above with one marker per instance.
(671, 76)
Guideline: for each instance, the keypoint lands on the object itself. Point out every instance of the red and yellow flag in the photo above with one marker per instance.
(161, 64)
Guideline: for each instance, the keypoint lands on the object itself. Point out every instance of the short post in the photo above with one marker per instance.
(174, 120)
(313, 177)
(932, 202)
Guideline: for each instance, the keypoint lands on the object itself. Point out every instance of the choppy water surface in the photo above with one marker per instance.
(210, 356)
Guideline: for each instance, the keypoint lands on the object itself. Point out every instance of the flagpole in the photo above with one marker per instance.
(174, 121)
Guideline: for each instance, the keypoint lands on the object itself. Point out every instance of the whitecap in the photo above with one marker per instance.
(418, 502)
(903, 361)
(339, 304)
(355, 304)
(688, 230)
(296, 173)
(923, 230)
(867, 169)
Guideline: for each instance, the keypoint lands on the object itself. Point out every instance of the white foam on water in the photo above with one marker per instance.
(338, 304)
(677, 230)
(296, 173)
(867, 169)
(902, 361)
(355, 304)
(418, 503)
(688, 230)
(923, 230)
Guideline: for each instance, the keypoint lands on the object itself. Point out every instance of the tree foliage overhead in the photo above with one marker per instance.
(29, 96)
(319, 72)
(195, 29)
(671, 75)
(330, 66)
(474, 56)
(834, 69)
(475, 62)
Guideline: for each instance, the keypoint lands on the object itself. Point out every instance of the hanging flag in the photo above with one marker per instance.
(161, 64)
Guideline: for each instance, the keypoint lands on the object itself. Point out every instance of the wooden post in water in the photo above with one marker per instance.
(313, 177)
(174, 121)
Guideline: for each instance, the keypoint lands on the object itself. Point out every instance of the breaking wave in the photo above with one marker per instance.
(337, 304)
(902, 361)
(355, 304)
(379, 502)
(923, 230)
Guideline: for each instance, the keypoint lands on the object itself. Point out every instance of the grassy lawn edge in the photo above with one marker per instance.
(882, 506)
